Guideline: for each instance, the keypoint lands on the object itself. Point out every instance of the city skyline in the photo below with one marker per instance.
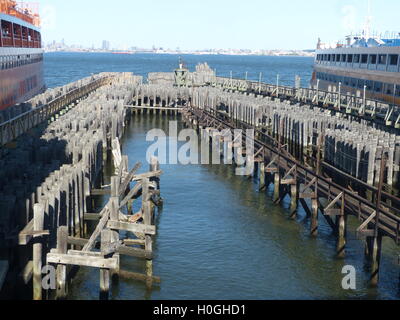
(181, 24)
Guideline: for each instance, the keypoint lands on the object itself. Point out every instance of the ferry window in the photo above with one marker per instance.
(389, 88)
(382, 58)
(346, 81)
(350, 58)
(329, 57)
(353, 82)
(369, 84)
(372, 59)
(338, 58)
(398, 91)
(343, 58)
(357, 58)
(361, 84)
(364, 58)
(393, 59)
(378, 86)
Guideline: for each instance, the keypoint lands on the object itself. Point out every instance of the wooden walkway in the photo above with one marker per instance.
(335, 202)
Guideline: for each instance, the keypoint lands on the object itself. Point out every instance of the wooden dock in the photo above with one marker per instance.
(54, 174)
(334, 160)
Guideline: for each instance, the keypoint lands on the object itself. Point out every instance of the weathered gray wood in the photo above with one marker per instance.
(100, 226)
(38, 220)
(62, 247)
(138, 276)
(134, 252)
(26, 235)
(85, 261)
(132, 227)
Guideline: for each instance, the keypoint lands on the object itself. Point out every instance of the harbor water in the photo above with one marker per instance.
(219, 237)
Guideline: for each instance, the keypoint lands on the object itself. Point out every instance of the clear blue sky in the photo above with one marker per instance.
(200, 24)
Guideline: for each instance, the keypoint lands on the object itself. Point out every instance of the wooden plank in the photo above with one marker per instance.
(138, 276)
(366, 222)
(133, 242)
(100, 226)
(84, 261)
(92, 216)
(147, 175)
(25, 236)
(307, 195)
(134, 252)
(333, 212)
(129, 178)
(37, 254)
(100, 192)
(132, 227)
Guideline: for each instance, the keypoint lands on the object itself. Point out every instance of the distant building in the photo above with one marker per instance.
(106, 45)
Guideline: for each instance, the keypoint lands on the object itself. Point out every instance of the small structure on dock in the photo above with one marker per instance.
(181, 75)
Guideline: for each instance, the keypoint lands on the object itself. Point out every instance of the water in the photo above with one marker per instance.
(218, 236)
(61, 68)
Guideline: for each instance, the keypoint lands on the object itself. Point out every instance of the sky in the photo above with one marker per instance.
(211, 24)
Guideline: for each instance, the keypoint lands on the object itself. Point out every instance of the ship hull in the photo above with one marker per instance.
(373, 72)
(22, 79)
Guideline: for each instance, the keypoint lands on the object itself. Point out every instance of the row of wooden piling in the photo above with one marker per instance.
(47, 96)
(53, 176)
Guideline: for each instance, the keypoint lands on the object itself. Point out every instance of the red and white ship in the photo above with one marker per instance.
(21, 53)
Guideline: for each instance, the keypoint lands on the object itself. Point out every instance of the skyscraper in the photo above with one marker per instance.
(106, 45)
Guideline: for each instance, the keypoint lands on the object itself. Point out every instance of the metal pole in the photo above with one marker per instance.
(259, 83)
(246, 76)
(340, 95)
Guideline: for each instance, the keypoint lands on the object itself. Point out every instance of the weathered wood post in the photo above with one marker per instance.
(38, 220)
(147, 219)
(294, 195)
(106, 236)
(114, 216)
(62, 248)
(341, 225)
(377, 240)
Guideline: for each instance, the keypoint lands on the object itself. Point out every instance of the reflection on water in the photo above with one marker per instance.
(220, 238)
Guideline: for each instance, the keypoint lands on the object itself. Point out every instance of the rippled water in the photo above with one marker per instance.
(218, 236)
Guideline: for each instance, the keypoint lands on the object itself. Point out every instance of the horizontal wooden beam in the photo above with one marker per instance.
(84, 261)
(91, 216)
(132, 227)
(100, 192)
(25, 235)
(333, 212)
(134, 252)
(138, 276)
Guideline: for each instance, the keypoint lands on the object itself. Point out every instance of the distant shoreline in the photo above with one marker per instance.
(271, 54)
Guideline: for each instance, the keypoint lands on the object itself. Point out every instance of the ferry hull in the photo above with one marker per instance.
(20, 84)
